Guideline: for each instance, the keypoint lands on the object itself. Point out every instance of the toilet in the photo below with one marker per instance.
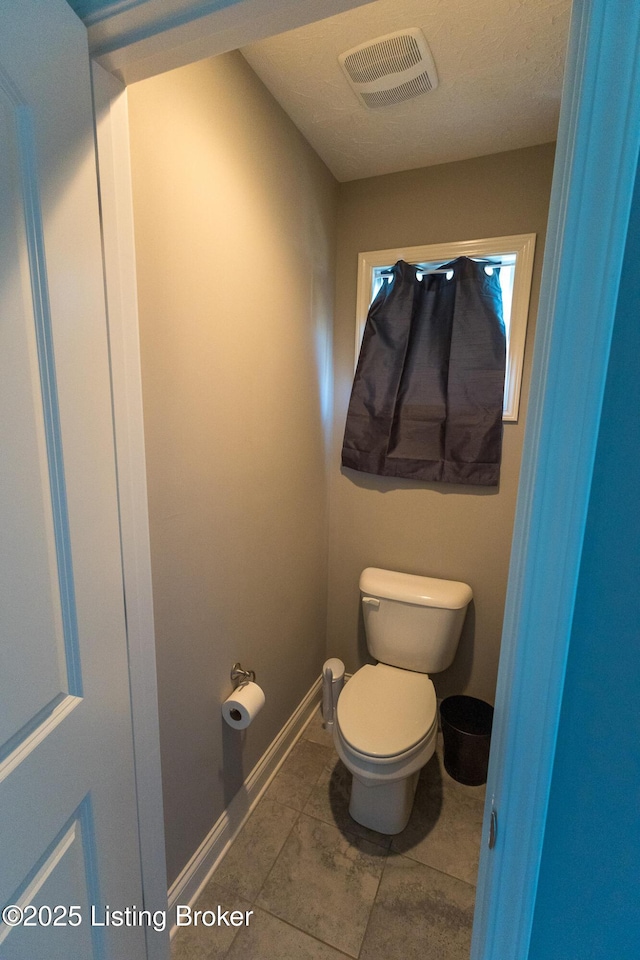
(386, 717)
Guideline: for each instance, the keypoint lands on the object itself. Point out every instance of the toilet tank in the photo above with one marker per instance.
(413, 622)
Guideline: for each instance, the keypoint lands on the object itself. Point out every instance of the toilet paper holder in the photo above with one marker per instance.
(240, 676)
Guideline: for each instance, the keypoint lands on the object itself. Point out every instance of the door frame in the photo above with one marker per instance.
(594, 175)
(594, 178)
(118, 246)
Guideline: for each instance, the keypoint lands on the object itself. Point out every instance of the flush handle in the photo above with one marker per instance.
(372, 601)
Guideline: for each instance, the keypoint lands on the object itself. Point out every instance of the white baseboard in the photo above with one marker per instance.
(189, 884)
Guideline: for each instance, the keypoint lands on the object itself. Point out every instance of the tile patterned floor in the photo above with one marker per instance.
(322, 887)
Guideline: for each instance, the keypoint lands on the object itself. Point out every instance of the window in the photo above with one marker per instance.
(514, 256)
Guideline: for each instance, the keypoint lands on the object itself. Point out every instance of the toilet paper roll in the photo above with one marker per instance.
(244, 704)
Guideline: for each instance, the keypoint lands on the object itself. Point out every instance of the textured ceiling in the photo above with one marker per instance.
(499, 63)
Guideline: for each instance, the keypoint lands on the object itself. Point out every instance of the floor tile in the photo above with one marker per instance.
(325, 883)
(316, 732)
(299, 773)
(444, 828)
(268, 938)
(254, 851)
(208, 943)
(329, 801)
(419, 914)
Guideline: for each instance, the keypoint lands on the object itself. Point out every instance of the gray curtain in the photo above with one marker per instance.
(427, 397)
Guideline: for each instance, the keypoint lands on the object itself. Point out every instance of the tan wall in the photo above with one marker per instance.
(460, 533)
(235, 218)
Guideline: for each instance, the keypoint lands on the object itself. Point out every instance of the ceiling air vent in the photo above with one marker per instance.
(393, 68)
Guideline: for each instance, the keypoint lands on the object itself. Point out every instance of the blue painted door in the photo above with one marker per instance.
(596, 163)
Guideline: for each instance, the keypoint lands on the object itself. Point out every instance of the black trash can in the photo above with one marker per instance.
(466, 727)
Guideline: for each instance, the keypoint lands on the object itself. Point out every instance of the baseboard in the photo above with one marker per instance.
(189, 884)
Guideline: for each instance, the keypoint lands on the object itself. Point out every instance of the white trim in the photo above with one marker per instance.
(596, 164)
(106, 11)
(189, 884)
(522, 245)
(143, 39)
(116, 210)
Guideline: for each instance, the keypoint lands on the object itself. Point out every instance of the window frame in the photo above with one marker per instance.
(521, 245)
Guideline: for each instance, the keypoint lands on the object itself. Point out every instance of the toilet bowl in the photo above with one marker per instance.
(386, 716)
(385, 732)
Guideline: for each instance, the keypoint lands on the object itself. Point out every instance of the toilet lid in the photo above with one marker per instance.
(384, 711)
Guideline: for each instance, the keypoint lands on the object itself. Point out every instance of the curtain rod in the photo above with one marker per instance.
(388, 272)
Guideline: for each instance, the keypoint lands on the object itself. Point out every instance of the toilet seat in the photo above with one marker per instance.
(385, 713)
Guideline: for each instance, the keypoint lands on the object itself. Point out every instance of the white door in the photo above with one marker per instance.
(68, 823)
